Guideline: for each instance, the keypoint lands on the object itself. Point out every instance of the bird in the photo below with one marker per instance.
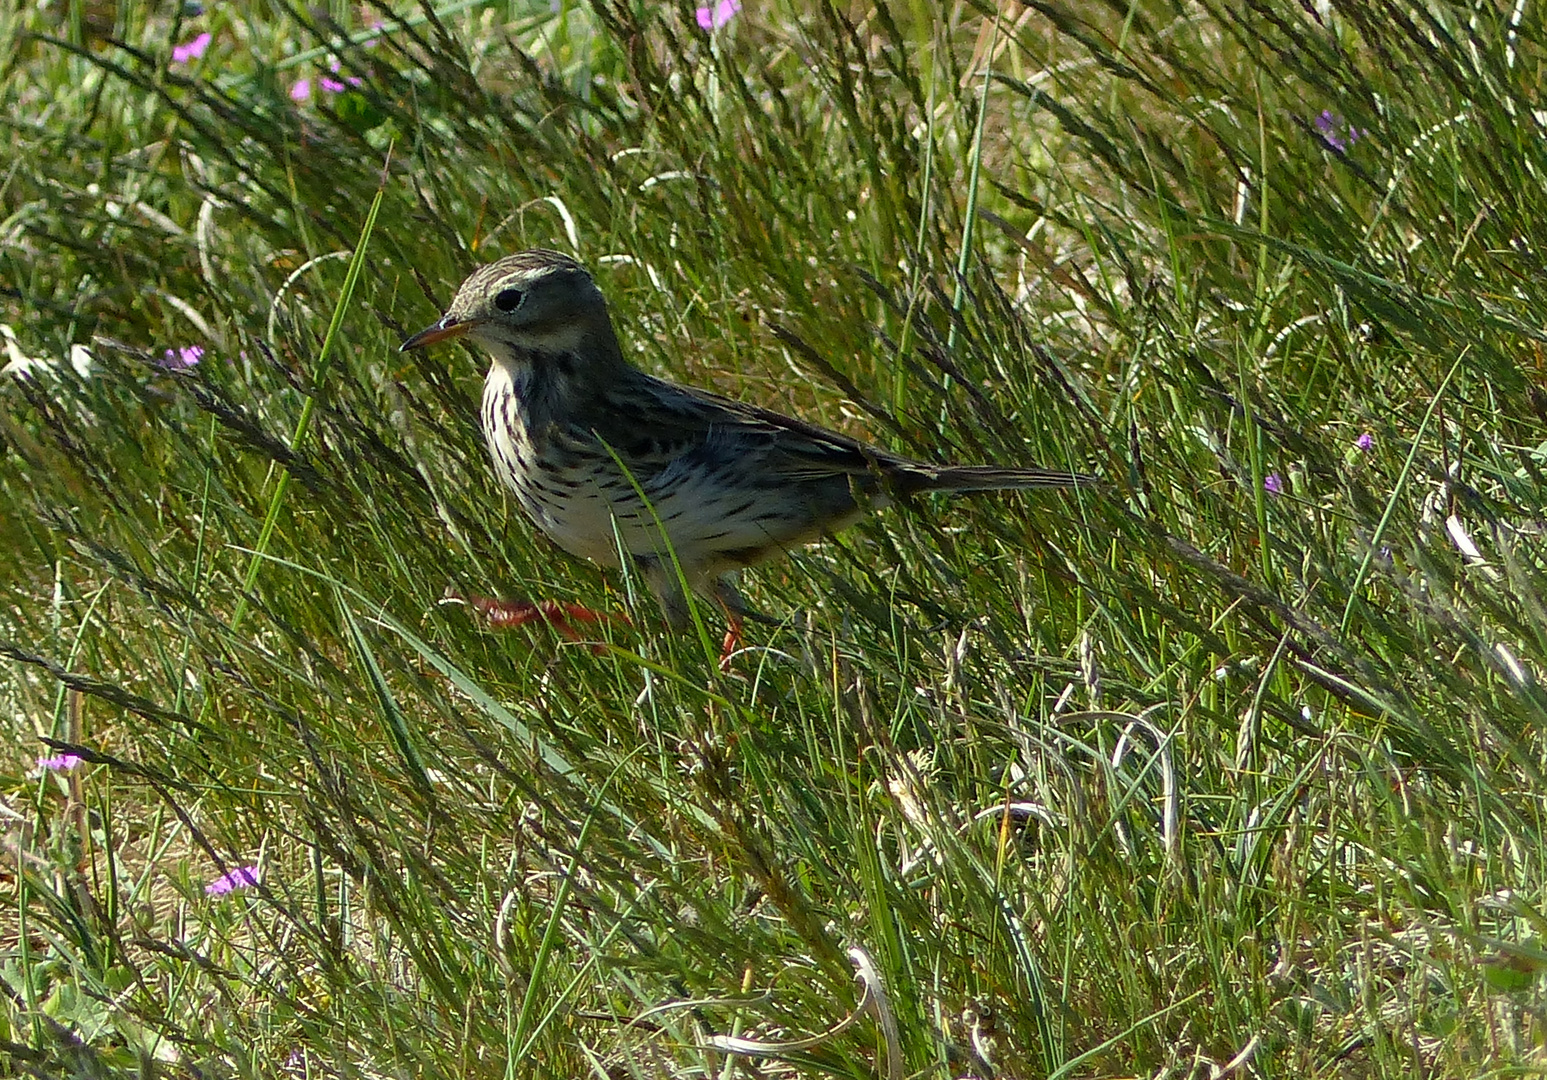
(613, 463)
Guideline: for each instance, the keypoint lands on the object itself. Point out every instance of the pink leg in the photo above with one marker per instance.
(732, 641)
(506, 614)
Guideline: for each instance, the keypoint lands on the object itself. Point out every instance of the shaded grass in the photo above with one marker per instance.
(1110, 783)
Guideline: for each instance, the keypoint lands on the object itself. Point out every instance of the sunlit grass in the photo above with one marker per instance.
(1235, 759)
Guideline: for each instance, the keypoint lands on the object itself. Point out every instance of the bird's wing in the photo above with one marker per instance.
(793, 449)
(651, 423)
(686, 426)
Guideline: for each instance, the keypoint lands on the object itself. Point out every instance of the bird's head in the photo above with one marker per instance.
(526, 306)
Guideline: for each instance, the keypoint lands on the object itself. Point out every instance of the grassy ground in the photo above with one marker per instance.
(1232, 766)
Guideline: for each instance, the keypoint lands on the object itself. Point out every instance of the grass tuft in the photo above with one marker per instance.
(1229, 765)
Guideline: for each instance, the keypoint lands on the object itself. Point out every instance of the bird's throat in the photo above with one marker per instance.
(546, 385)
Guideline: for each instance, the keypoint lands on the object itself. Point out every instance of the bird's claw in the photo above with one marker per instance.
(561, 616)
(732, 643)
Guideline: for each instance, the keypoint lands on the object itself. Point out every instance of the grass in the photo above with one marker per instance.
(1232, 766)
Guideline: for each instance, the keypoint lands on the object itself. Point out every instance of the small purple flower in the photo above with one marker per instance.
(182, 359)
(335, 86)
(1273, 483)
(1365, 441)
(300, 90)
(712, 18)
(61, 763)
(182, 54)
(1332, 131)
(1327, 125)
(241, 878)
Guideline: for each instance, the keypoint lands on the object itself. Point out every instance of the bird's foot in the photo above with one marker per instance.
(562, 617)
(732, 643)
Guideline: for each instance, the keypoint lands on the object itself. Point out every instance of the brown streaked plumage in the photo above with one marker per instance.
(601, 455)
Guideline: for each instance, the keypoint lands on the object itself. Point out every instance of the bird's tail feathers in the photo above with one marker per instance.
(988, 478)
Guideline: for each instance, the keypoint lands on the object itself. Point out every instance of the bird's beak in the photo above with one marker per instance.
(448, 329)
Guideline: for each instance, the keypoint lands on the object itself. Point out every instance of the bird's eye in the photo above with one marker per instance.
(507, 300)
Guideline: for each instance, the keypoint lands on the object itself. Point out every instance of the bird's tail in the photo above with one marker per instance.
(986, 478)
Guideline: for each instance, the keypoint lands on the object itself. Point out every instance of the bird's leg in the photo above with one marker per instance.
(732, 643)
(735, 609)
(507, 614)
(663, 581)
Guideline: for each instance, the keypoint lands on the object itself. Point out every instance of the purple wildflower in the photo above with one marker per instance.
(182, 54)
(1333, 132)
(712, 18)
(336, 86)
(183, 358)
(1327, 125)
(60, 763)
(1273, 483)
(241, 878)
(1365, 441)
(300, 90)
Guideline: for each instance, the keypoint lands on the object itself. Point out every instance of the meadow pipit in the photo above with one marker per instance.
(603, 457)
